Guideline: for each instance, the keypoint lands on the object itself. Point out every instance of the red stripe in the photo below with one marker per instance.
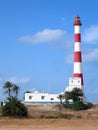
(77, 21)
(77, 37)
(77, 57)
(76, 75)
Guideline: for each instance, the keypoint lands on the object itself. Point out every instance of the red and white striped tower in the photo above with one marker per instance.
(77, 50)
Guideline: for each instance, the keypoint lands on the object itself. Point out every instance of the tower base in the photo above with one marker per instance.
(74, 83)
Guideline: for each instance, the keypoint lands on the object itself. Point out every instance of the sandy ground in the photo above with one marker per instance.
(79, 120)
(48, 124)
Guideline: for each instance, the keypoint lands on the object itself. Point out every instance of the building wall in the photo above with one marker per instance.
(41, 98)
(74, 83)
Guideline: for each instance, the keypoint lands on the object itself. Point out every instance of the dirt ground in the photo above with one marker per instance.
(48, 124)
(53, 117)
(56, 111)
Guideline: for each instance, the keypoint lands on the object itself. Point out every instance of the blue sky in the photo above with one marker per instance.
(36, 44)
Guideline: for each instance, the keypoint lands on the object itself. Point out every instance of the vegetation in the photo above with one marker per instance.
(78, 105)
(61, 97)
(64, 116)
(11, 89)
(15, 89)
(76, 96)
(8, 87)
(13, 107)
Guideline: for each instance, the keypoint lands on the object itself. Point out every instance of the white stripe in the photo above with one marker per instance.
(77, 67)
(77, 29)
(77, 46)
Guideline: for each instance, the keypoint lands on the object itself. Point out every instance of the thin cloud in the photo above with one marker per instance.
(0, 79)
(18, 80)
(47, 35)
(92, 56)
(69, 58)
(89, 57)
(90, 35)
(95, 91)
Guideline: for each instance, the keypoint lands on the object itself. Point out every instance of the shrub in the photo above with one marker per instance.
(64, 116)
(78, 105)
(89, 105)
(14, 108)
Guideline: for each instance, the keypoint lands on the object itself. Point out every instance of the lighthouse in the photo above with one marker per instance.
(77, 50)
(77, 79)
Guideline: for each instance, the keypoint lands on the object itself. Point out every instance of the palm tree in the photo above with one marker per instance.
(61, 98)
(15, 89)
(8, 87)
(76, 95)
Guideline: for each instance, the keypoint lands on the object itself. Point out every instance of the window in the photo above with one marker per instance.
(42, 97)
(30, 97)
(51, 98)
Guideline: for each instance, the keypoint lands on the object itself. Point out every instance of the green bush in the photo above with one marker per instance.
(78, 105)
(64, 116)
(89, 105)
(14, 108)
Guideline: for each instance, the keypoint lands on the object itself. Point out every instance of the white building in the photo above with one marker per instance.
(39, 98)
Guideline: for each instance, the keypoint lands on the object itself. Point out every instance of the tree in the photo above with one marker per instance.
(15, 89)
(14, 108)
(8, 87)
(60, 96)
(76, 95)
